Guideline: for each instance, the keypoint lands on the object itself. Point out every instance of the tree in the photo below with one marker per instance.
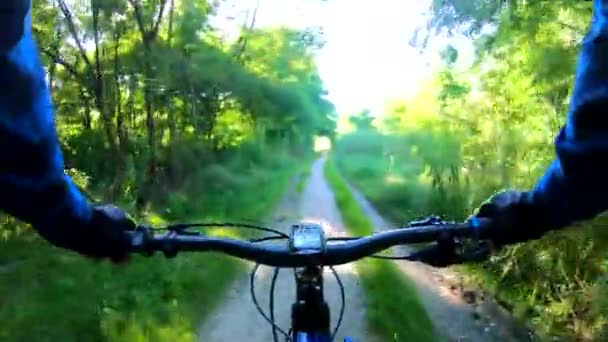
(362, 121)
(142, 81)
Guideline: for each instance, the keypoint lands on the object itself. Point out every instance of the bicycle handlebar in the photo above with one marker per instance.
(144, 241)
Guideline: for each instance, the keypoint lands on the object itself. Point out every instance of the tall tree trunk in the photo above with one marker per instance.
(53, 66)
(241, 45)
(51, 85)
(148, 36)
(173, 164)
(103, 107)
(130, 106)
(86, 119)
(94, 72)
(170, 33)
(172, 124)
(193, 105)
(150, 125)
(120, 128)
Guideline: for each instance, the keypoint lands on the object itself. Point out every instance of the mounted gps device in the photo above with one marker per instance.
(307, 236)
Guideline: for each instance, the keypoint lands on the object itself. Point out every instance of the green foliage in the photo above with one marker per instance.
(467, 134)
(50, 294)
(154, 82)
(362, 121)
(159, 114)
(394, 310)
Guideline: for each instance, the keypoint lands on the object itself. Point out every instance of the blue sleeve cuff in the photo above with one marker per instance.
(72, 213)
(572, 192)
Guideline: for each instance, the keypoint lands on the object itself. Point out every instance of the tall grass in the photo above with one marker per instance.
(394, 310)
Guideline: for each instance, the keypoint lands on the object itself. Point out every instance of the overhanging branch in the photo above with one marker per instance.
(67, 66)
(72, 28)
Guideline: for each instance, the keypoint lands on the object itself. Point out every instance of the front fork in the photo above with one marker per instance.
(310, 313)
(310, 319)
(303, 337)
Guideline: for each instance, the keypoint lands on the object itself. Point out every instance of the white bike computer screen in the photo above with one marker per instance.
(307, 237)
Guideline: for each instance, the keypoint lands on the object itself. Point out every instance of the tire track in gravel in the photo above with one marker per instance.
(238, 320)
(458, 314)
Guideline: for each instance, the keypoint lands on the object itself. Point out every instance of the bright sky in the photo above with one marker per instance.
(367, 59)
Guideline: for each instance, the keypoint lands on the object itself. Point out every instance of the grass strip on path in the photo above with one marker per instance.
(394, 309)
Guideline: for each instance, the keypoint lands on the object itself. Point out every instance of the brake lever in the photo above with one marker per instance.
(141, 235)
(446, 254)
(427, 221)
(448, 249)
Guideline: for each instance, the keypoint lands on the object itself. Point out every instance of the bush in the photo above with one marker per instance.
(556, 283)
(48, 294)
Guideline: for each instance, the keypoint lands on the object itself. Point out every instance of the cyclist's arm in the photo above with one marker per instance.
(33, 185)
(575, 187)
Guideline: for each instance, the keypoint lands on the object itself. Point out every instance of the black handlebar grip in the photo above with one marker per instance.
(139, 240)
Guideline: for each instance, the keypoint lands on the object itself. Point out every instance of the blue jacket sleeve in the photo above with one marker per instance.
(33, 185)
(575, 187)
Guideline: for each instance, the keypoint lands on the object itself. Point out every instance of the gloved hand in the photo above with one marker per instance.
(104, 237)
(516, 218)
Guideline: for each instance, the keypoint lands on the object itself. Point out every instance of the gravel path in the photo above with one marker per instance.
(238, 320)
(459, 314)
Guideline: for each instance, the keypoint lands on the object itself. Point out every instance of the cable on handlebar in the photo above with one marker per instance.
(271, 320)
(438, 256)
(257, 304)
(342, 299)
(375, 256)
(268, 238)
(389, 257)
(145, 242)
(447, 246)
(273, 282)
(182, 227)
(343, 238)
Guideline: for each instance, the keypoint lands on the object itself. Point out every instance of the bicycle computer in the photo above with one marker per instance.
(307, 236)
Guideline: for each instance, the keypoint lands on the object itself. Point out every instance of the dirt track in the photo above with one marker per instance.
(238, 320)
(458, 314)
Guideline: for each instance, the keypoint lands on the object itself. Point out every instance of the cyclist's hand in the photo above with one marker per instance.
(515, 218)
(105, 236)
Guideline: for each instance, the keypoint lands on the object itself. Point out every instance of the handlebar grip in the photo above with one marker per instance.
(139, 240)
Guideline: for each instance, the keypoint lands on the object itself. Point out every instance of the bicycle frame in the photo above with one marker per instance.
(310, 319)
(304, 337)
